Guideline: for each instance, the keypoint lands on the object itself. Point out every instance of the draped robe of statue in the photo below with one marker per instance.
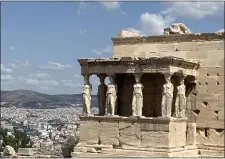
(167, 98)
(111, 99)
(137, 102)
(86, 94)
(180, 104)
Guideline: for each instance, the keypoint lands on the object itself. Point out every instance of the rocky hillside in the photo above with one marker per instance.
(31, 99)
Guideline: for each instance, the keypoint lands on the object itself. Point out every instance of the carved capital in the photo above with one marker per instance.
(167, 76)
(137, 77)
(86, 78)
(102, 78)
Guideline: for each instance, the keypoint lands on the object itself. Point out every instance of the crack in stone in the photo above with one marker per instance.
(127, 126)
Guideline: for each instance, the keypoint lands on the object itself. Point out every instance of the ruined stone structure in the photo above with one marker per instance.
(164, 99)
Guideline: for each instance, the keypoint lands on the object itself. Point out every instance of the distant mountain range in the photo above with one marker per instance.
(31, 99)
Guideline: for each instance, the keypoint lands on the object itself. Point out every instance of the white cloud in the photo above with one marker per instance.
(82, 32)
(40, 76)
(221, 30)
(135, 31)
(81, 7)
(6, 77)
(111, 5)
(31, 81)
(54, 65)
(18, 64)
(12, 47)
(5, 70)
(195, 10)
(77, 76)
(154, 24)
(107, 49)
(69, 83)
(48, 88)
(40, 79)
(49, 82)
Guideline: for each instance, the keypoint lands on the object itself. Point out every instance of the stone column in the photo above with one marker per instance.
(111, 96)
(86, 95)
(137, 101)
(191, 134)
(180, 104)
(167, 96)
(102, 88)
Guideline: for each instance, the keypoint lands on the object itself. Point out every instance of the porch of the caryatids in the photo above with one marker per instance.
(167, 96)
(180, 103)
(111, 96)
(86, 95)
(137, 100)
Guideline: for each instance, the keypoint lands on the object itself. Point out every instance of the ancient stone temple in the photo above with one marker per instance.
(164, 99)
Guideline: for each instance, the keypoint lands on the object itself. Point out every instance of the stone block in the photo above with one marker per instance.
(146, 126)
(191, 134)
(89, 131)
(202, 89)
(80, 149)
(129, 133)
(155, 139)
(177, 134)
(209, 123)
(215, 89)
(201, 136)
(124, 33)
(127, 50)
(203, 72)
(160, 127)
(134, 153)
(215, 138)
(206, 97)
(211, 153)
(221, 97)
(109, 133)
(180, 54)
(211, 81)
(25, 152)
(187, 46)
(215, 57)
(220, 105)
(215, 71)
(221, 80)
(168, 47)
(221, 114)
(197, 55)
(211, 45)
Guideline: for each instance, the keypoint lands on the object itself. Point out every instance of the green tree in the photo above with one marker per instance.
(18, 140)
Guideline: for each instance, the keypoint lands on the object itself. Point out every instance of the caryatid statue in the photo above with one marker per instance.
(180, 104)
(111, 97)
(167, 97)
(102, 88)
(137, 101)
(86, 94)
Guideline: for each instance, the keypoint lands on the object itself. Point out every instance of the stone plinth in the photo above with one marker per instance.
(133, 137)
(25, 152)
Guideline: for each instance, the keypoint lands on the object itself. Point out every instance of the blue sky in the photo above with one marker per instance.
(41, 41)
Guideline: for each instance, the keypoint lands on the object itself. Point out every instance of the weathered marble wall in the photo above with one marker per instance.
(207, 108)
(133, 137)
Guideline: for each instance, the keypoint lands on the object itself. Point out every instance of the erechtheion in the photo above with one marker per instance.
(165, 97)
